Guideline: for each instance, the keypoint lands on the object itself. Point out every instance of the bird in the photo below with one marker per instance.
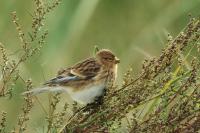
(85, 81)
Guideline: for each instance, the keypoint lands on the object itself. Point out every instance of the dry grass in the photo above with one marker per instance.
(164, 97)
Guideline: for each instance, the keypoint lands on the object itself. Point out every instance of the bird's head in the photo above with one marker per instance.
(107, 58)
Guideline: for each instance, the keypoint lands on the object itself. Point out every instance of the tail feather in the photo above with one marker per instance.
(43, 90)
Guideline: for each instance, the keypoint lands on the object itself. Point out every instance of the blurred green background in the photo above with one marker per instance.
(133, 29)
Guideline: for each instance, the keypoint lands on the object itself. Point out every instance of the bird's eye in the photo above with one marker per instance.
(109, 59)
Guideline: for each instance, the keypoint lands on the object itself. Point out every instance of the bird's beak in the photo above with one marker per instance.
(117, 60)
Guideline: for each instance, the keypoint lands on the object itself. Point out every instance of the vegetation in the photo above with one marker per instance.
(163, 97)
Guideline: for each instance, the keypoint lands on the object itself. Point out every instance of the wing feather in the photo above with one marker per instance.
(86, 69)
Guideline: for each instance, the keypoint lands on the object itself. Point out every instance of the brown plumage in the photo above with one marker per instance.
(85, 80)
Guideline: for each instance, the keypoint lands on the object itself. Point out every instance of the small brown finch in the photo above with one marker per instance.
(86, 80)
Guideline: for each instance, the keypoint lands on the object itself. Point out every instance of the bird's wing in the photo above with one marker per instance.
(86, 69)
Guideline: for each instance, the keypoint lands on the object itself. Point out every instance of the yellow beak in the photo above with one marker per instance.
(117, 60)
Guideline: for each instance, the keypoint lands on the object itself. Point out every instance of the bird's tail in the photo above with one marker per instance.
(44, 89)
